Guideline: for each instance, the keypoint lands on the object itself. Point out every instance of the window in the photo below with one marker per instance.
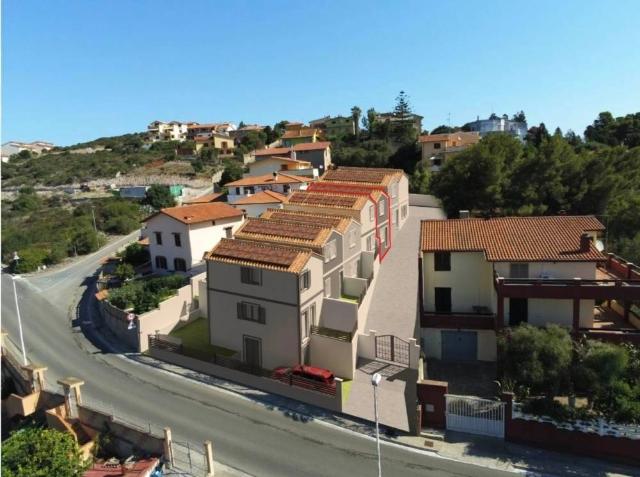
(308, 317)
(158, 238)
(327, 286)
(352, 238)
(372, 213)
(177, 240)
(251, 312)
(249, 190)
(394, 189)
(519, 270)
(330, 251)
(442, 300)
(305, 280)
(381, 207)
(385, 235)
(436, 145)
(403, 211)
(237, 190)
(251, 276)
(228, 232)
(442, 261)
(161, 262)
(179, 265)
(286, 188)
(370, 242)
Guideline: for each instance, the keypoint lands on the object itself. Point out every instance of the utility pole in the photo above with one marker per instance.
(375, 381)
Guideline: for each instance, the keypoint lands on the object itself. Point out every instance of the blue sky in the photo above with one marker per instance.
(77, 70)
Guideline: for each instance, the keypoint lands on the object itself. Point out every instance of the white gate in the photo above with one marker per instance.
(475, 415)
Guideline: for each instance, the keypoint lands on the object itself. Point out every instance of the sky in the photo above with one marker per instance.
(73, 71)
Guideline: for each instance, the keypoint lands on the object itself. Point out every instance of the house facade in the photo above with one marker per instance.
(196, 130)
(337, 126)
(222, 143)
(256, 204)
(167, 131)
(496, 124)
(297, 133)
(480, 275)
(271, 164)
(179, 236)
(276, 182)
(14, 147)
(436, 148)
(317, 153)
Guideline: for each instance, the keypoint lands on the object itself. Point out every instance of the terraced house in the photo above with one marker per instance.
(480, 275)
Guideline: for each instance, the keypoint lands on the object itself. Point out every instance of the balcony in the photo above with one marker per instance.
(482, 320)
(331, 333)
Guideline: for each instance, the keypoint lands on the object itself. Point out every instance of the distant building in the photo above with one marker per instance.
(317, 153)
(222, 143)
(239, 133)
(271, 164)
(276, 181)
(14, 147)
(171, 131)
(499, 124)
(337, 126)
(436, 148)
(196, 130)
(298, 133)
(254, 205)
(395, 120)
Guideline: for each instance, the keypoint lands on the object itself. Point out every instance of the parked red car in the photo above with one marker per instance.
(320, 375)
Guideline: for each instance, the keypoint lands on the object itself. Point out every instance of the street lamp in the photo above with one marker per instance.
(375, 380)
(15, 295)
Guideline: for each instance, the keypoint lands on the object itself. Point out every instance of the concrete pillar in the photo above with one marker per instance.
(168, 447)
(208, 456)
(35, 373)
(576, 315)
(69, 385)
(500, 313)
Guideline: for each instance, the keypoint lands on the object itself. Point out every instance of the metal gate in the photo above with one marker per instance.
(392, 348)
(475, 415)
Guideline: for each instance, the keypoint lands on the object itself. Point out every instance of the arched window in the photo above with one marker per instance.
(161, 262)
(179, 265)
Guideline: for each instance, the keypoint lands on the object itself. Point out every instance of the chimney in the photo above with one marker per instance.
(464, 214)
(585, 243)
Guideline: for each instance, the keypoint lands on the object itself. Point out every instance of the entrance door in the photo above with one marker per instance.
(459, 345)
(252, 352)
(518, 311)
(443, 300)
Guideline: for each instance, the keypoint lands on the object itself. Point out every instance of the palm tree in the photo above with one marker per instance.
(356, 112)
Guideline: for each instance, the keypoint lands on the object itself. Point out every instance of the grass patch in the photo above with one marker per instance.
(195, 338)
(352, 299)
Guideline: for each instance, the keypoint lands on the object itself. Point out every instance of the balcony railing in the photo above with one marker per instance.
(331, 333)
(473, 321)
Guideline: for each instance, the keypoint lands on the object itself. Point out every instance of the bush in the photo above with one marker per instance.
(121, 225)
(135, 254)
(159, 196)
(30, 259)
(125, 271)
(144, 295)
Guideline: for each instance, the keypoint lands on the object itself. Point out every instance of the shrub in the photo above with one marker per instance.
(135, 254)
(146, 294)
(30, 259)
(125, 271)
(121, 225)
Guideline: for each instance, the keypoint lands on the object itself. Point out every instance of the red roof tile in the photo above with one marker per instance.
(525, 239)
(278, 178)
(196, 213)
(262, 197)
(270, 256)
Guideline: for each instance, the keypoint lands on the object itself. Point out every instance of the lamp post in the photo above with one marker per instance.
(15, 295)
(375, 380)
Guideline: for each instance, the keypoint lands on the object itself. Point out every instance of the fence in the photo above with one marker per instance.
(293, 380)
(475, 415)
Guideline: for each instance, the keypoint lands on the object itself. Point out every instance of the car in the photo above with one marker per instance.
(312, 373)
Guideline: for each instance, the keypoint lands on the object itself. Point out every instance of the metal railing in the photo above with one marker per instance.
(299, 381)
(331, 333)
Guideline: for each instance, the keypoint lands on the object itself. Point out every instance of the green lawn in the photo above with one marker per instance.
(195, 338)
(353, 299)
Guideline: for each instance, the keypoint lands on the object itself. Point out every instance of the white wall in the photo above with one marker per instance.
(470, 280)
(204, 236)
(256, 210)
(565, 270)
(237, 193)
(486, 341)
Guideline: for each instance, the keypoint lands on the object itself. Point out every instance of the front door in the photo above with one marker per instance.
(443, 300)
(252, 352)
(518, 311)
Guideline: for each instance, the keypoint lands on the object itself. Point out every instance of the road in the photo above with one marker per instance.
(247, 436)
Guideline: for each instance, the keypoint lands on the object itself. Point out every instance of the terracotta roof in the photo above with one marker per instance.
(262, 197)
(365, 175)
(273, 151)
(279, 178)
(131, 469)
(526, 239)
(282, 159)
(196, 213)
(321, 199)
(447, 136)
(207, 126)
(311, 146)
(338, 222)
(347, 188)
(288, 233)
(302, 132)
(254, 254)
(102, 294)
(203, 199)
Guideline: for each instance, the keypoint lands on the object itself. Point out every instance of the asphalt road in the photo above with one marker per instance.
(247, 436)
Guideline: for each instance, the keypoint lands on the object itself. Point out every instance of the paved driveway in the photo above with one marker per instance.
(394, 307)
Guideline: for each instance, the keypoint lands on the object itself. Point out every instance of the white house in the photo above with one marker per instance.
(179, 236)
(171, 131)
(276, 182)
(480, 275)
(254, 205)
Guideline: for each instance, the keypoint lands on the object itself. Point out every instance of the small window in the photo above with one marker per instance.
(436, 145)
(330, 251)
(370, 242)
(249, 190)
(179, 265)
(237, 190)
(251, 312)
(352, 238)
(385, 235)
(519, 270)
(403, 211)
(228, 232)
(305, 280)
(442, 261)
(372, 213)
(158, 237)
(161, 262)
(251, 276)
(381, 207)
(177, 239)
(308, 319)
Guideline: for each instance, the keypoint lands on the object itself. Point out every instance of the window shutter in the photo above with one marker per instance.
(240, 317)
(262, 314)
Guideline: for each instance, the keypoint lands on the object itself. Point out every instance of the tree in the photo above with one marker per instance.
(419, 182)
(159, 196)
(606, 129)
(233, 171)
(369, 122)
(356, 112)
(135, 254)
(402, 108)
(125, 271)
(35, 452)
(598, 366)
(519, 117)
(403, 130)
(442, 129)
(537, 359)
(537, 134)
(86, 240)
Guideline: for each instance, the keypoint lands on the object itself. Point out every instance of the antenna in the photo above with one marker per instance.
(449, 119)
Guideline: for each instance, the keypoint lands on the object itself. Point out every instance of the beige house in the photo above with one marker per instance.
(222, 143)
(256, 204)
(436, 148)
(168, 131)
(317, 153)
(179, 236)
(271, 164)
(266, 297)
(479, 275)
(275, 182)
